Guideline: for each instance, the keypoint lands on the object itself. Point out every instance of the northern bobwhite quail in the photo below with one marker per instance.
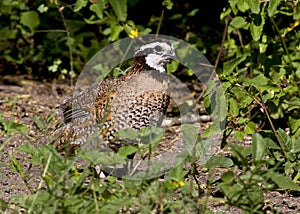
(135, 100)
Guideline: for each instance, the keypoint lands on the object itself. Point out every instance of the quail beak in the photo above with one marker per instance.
(171, 56)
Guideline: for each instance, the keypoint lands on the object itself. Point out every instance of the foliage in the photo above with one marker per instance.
(47, 32)
(70, 191)
(258, 63)
(261, 76)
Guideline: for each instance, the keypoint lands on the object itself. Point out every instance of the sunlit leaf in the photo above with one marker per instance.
(258, 147)
(80, 4)
(272, 9)
(231, 65)
(120, 8)
(282, 181)
(30, 19)
(218, 161)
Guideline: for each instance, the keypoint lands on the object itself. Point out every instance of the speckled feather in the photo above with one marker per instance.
(135, 100)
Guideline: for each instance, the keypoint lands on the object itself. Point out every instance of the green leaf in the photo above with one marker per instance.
(30, 19)
(80, 4)
(11, 127)
(282, 181)
(296, 15)
(172, 67)
(237, 23)
(250, 128)
(241, 153)
(233, 108)
(98, 8)
(70, 41)
(193, 12)
(227, 176)
(260, 80)
(124, 151)
(120, 9)
(150, 135)
(272, 9)
(168, 4)
(190, 135)
(177, 174)
(41, 124)
(256, 26)
(3, 205)
(115, 31)
(254, 6)
(16, 166)
(258, 147)
(42, 8)
(29, 149)
(231, 65)
(294, 122)
(242, 5)
(296, 146)
(218, 161)
(127, 133)
(285, 138)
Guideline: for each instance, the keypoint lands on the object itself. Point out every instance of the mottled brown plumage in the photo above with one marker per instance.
(135, 100)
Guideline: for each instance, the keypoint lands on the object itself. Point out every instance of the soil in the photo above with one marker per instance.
(23, 100)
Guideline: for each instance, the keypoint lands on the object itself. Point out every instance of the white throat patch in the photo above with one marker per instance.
(152, 60)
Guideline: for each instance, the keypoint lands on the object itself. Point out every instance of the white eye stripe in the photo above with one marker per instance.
(164, 46)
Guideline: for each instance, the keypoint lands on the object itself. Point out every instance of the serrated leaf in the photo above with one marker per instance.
(30, 19)
(27, 149)
(282, 181)
(120, 9)
(272, 9)
(258, 147)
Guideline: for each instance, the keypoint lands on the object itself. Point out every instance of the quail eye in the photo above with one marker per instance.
(158, 49)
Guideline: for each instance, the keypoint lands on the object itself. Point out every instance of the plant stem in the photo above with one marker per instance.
(160, 21)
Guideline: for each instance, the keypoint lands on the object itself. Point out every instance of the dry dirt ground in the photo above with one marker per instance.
(22, 99)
